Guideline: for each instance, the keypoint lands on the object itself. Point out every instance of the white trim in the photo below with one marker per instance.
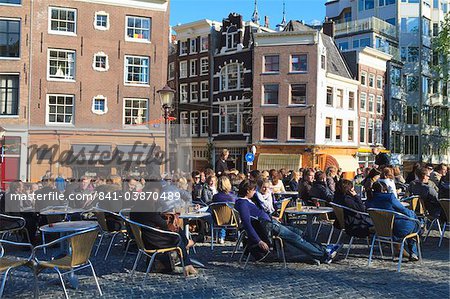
(125, 71)
(194, 39)
(194, 130)
(156, 5)
(182, 125)
(203, 134)
(202, 99)
(47, 110)
(18, 95)
(106, 62)
(182, 76)
(193, 62)
(49, 78)
(144, 126)
(138, 40)
(201, 66)
(191, 93)
(201, 44)
(57, 32)
(181, 93)
(168, 71)
(290, 129)
(101, 13)
(99, 112)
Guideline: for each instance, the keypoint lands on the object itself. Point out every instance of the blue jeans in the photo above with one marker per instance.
(294, 236)
(404, 227)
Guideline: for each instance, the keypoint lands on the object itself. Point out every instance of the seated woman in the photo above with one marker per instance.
(372, 177)
(356, 225)
(402, 226)
(224, 195)
(277, 184)
(210, 189)
(265, 196)
(320, 189)
(293, 183)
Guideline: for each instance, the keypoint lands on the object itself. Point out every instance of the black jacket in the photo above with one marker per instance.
(321, 191)
(356, 225)
(221, 167)
(304, 189)
(382, 159)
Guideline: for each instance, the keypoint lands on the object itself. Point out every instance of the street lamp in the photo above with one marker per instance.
(166, 95)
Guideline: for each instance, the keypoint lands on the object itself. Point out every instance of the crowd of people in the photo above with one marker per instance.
(255, 196)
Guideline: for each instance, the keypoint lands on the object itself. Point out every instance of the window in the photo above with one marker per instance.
(329, 96)
(409, 25)
(183, 69)
(193, 46)
(298, 127)
(204, 91)
(328, 128)
(371, 80)
(204, 120)
(204, 66)
(135, 111)
(351, 100)
(363, 78)
(396, 142)
(60, 109)
(193, 68)
(270, 94)
(9, 38)
(379, 104)
(299, 63)
(412, 115)
(371, 100)
(413, 54)
(99, 105)
(323, 62)
(101, 21)
(183, 48)
(171, 71)
(396, 76)
(62, 20)
(385, 2)
(350, 129)
(204, 44)
(194, 92)
(348, 16)
(18, 2)
(270, 127)
(137, 70)
(435, 29)
(411, 145)
(370, 131)
(366, 4)
(362, 130)
(61, 64)
(396, 111)
(392, 21)
(356, 44)
(379, 82)
(343, 46)
(340, 98)
(426, 27)
(100, 62)
(194, 123)
(9, 95)
(298, 94)
(363, 99)
(232, 77)
(232, 37)
(138, 28)
(184, 121)
(412, 83)
(338, 129)
(379, 132)
(230, 118)
(271, 63)
(183, 93)
(364, 42)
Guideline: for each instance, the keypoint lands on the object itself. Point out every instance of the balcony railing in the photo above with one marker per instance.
(369, 24)
(391, 50)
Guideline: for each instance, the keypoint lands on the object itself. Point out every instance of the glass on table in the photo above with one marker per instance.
(299, 204)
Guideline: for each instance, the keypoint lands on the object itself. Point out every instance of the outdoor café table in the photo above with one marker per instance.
(194, 216)
(65, 228)
(310, 213)
(61, 210)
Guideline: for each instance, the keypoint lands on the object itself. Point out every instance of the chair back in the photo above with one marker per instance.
(445, 204)
(137, 234)
(101, 219)
(223, 214)
(383, 221)
(284, 204)
(11, 223)
(413, 203)
(339, 212)
(81, 244)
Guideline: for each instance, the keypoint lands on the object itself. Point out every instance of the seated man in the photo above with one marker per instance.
(320, 189)
(291, 235)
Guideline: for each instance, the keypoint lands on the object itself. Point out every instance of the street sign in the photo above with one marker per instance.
(249, 157)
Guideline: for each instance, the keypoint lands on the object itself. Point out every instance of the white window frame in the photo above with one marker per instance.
(138, 40)
(67, 78)
(350, 137)
(223, 114)
(204, 122)
(262, 128)
(47, 112)
(263, 100)
(94, 62)
(184, 94)
(342, 129)
(363, 75)
(290, 128)
(331, 129)
(184, 124)
(354, 100)
(224, 83)
(202, 90)
(101, 13)
(371, 77)
(17, 102)
(292, 61)
(192, 93)
(340, 98)
(144, 124)
(183, 69)
(171, 71)
(363, 125)
(234, 38)
(363, 98)
(99, 112)
(184, 48)
(290, 94)
(202, 38)
(125, 69)
(371, 100)
(371, 126)
(204, 66)
(193, 68)
(193, 46)
(380, 81)
(59, 32)
(332, 96)
(193, 127)
(378, 132)
(265, 71)
(379, 101)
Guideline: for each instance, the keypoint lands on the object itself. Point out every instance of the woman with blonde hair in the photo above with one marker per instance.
(293, 183)
(387, 177)
(223, 195)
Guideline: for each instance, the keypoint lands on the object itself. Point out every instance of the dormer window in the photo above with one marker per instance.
(232, 37)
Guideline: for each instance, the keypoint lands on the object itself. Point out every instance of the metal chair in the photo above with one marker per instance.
(80, 248)
(17, 226)
(324, 219)
(8, 264)
(422, 212)
(445, 204)
(137, 229)
(383, 221)
(224, 218)
(103, 216)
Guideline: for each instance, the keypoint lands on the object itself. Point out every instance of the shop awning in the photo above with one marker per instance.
(347, 163)
(275, 161)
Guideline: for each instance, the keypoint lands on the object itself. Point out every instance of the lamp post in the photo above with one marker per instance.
(166, 95)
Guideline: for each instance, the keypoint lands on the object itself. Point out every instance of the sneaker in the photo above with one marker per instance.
(333, 252)
(221, 241)
(413, 257)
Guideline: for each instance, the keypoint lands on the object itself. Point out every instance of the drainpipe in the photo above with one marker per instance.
(30, 76)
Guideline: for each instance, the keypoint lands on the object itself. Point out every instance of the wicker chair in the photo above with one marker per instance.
(7, 264)
(81, 245)
(445, 204)
(224, 218)
(383, 221)
(103, 216)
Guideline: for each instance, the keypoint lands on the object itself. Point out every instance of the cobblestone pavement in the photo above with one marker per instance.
(224, 277)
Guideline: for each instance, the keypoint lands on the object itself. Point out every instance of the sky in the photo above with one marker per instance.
(185, 11)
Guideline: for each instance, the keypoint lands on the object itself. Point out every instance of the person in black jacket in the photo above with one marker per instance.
(356, 225)
(305, 185)
(221, 164)
(320, 189)
(381, 159)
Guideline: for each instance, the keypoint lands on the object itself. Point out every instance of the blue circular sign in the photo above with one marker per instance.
(249, 157)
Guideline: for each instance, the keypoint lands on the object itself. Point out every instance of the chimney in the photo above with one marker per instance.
(266, 21)
(328, 27)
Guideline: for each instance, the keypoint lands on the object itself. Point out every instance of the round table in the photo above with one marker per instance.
(310, 212)
(192, 216)
(60, 211)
